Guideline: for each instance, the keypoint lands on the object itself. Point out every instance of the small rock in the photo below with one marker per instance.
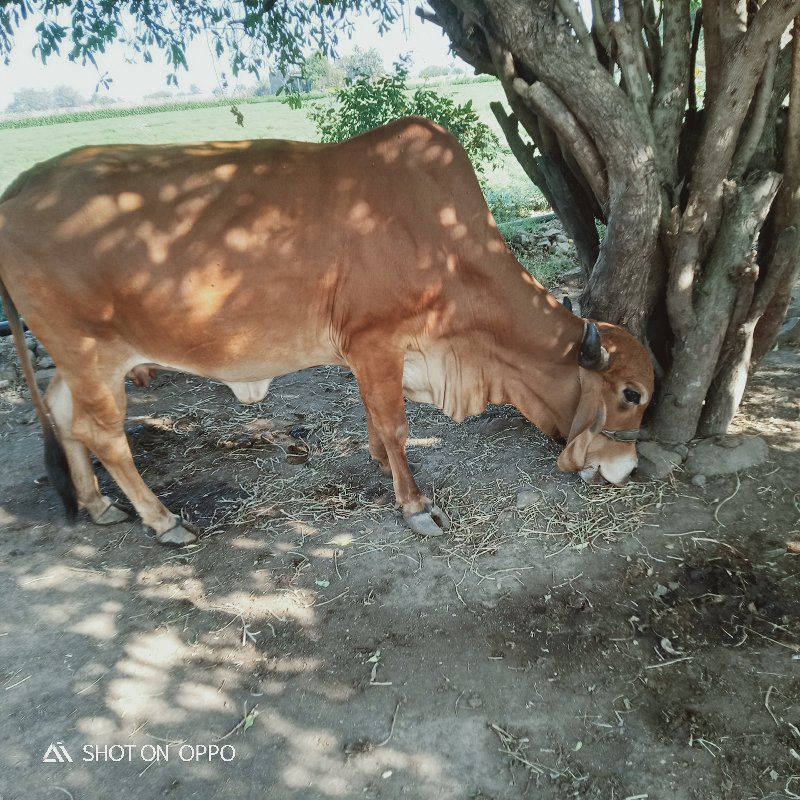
(8, 374)
(45, 375)
(529, 495)
(523, 238)
(4, 383)
(552, 230)
(474, 701)
(563, 248)
(656, 461)
(45, 362)
(527, 498)
(572, 277)
(725, 454)
(699, 480)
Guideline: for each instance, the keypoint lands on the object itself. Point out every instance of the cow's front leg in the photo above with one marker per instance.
(380, 379)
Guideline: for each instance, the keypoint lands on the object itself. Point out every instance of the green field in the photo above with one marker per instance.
(23, 147)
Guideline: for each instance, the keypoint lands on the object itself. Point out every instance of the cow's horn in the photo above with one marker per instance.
(592, 354)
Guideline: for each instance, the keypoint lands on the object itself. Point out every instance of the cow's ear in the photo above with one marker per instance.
(592, 354)
(567, 303)
(589, 419)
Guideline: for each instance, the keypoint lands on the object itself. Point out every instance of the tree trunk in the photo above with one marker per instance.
(696, 353)
(616, 134)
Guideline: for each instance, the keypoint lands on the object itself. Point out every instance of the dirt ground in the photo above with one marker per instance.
(560, 642)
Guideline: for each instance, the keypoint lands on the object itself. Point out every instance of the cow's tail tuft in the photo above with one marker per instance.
(55, 459)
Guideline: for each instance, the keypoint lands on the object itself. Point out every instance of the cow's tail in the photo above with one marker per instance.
(55, 459)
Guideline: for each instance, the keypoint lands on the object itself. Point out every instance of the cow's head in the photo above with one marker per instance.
(616, 384)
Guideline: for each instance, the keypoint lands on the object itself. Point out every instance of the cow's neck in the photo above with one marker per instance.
(536, 349)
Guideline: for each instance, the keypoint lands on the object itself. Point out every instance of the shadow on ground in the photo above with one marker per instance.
(557, 644)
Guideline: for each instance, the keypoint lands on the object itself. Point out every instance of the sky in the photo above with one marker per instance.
(131, 82)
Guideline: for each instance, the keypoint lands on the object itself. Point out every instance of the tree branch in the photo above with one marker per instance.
(686, 255)
(568, 198)
(672, 91)
(523, 152)
(601, 16)
(634, 16)
(637, 79)
(743, 69)
(698, 25)
(547, 104)
(783, 77)
(606, 115)
(653, 36)
(461, 32)
(748, 143)
(570, 10)
(713, 48)
(505, 70)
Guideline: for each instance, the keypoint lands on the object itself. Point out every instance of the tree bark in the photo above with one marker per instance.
(613, 112)
(697, 351)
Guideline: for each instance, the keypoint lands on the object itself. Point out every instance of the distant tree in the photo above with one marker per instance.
(434, 71)
(263, 87)
(362, 64)
(31, 100)
(102, 100)
(27, 100)
(67, 97)
(161, 94)
(321, 74)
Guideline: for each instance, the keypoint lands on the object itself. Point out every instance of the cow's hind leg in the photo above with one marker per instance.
(100, 508)
(98, 422)
(380, 379)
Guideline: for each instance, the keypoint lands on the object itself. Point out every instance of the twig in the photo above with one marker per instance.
(766, 705)
(325, 602)
(391, 730)
(456, 585)
(730, 497)
(669, 663)
(242, 722)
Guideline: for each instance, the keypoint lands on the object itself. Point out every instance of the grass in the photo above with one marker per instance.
(23, 147)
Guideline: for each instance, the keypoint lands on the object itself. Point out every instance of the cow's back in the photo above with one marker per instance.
(211, 255)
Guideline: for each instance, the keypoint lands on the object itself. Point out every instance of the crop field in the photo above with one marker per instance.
(21, 147)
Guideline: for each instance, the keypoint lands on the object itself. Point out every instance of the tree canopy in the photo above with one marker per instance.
(253, 33)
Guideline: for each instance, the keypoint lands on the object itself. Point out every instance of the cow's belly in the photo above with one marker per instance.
(248, 379)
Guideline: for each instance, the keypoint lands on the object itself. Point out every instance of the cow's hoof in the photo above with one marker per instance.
(111, 516)
(177, 536)
(429, 523)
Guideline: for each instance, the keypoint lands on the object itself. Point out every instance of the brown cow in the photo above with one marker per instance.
(241, 261)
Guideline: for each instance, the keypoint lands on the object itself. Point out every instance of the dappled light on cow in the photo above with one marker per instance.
(245, 261)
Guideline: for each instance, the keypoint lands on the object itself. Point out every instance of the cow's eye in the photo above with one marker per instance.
(632, 396)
